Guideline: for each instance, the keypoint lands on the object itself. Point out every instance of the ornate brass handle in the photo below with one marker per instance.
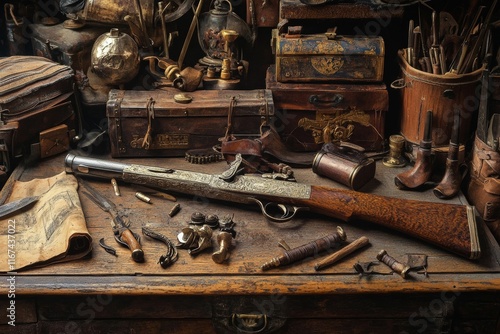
(249, 323)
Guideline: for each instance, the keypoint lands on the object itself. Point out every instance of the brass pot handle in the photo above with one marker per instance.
(249, 323)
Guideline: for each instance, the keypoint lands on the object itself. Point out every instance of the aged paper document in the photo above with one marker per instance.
(51, 230)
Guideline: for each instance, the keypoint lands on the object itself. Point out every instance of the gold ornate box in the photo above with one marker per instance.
(328, 57)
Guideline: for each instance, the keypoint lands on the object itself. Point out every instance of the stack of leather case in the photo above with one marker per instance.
(327, 87)
(37, 115)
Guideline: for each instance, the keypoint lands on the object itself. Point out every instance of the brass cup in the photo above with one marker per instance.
(395, 158)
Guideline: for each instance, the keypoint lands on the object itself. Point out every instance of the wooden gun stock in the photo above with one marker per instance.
(449, 226)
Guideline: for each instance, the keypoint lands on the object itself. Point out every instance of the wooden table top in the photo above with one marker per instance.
(256, 242)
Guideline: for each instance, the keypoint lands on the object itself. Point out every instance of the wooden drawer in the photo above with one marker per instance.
(439, 312)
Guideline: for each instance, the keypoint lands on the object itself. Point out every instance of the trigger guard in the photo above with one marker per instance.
(289, 211)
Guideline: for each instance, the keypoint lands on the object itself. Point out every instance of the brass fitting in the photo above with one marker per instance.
(224, 240)
(395, 158)
(143, 197)
(225, 72)
(115, 187)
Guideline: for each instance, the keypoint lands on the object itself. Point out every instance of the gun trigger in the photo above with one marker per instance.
(278, 213)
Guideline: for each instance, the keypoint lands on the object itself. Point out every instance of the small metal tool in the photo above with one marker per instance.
(410, 49)
(107, 248)
(417, 262)
(424, 61)
(434, 52)
(364, 268)
(396, 146)
(398, 267)
(123, 235)
(171, 256)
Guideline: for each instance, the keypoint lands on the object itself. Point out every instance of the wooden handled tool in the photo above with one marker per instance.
(123, 235)
(350, 248)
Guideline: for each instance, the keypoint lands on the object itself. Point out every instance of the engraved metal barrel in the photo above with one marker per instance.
(242, 190)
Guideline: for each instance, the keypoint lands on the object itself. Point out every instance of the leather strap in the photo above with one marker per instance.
(492, 186)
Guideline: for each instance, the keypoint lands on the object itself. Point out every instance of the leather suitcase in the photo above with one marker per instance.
(327, 57)
(37, 109)
(65, 46)
(196, 121)
(308, 115)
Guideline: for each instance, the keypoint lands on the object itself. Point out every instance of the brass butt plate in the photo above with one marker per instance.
(475, 247)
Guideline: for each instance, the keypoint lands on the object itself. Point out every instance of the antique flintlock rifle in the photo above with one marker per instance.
(450, 226)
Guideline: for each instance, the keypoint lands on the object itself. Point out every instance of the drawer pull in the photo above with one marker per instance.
(316, 100)
(249, 323)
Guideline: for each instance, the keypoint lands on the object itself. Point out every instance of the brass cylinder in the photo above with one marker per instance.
(396, 145)
(225, 73)
(115, 187)
(143, 197)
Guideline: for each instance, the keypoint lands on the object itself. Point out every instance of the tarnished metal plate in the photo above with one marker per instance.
(320, 58)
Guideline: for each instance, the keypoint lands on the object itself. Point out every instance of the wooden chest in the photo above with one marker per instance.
(178, 122)
(311, 114)
(328, 57)
(112, 294)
